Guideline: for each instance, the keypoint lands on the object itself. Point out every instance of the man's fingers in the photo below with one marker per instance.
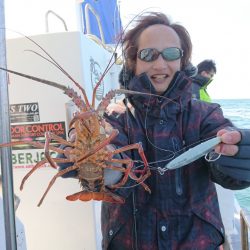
(229, 137)
(226, 149)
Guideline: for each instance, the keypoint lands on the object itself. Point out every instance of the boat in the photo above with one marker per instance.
(35, 108)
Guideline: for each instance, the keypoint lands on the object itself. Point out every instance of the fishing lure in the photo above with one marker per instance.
(191, 155)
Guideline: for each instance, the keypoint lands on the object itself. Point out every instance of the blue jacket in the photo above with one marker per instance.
(182, 211)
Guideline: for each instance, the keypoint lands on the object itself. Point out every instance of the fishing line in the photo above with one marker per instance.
(146, 131)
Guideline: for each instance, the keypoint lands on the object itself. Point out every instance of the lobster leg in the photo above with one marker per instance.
(141, 179)
(59, 139)
(100, 146)
(49, 136)
(137, 146)
(47, 147)
(82, 116)
(32, 143)
(38, 165)
(129, 173)
(126, 171)
(145, 173)
(60, 173)
(119, 161)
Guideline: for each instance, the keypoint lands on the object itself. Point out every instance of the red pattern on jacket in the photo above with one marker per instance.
(182, 211)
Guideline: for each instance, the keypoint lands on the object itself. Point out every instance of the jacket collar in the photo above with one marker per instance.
(178, 92)
(202, 80)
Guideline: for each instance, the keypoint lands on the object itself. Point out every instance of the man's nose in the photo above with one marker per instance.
(160, 62)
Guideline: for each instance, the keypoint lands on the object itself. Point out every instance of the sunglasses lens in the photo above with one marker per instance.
(171, 54)
(148, 55)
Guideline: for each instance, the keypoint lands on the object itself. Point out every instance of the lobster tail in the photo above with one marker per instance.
(97, 196)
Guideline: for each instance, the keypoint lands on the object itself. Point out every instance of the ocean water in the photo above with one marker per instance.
(238, 111)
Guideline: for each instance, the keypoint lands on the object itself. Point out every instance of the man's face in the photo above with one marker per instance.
(159, 71)
(209, 74)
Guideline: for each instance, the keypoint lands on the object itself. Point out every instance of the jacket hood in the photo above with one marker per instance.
(126, 75)
(179, 91)
(202, 80)
(190, 70)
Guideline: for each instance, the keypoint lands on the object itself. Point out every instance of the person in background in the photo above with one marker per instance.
(205, 73)
(182, 210)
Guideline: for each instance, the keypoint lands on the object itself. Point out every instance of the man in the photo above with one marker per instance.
(206, 71)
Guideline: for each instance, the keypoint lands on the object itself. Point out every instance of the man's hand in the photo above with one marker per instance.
(235, 150)
(118, 107)
(229, 140)
(112, 176)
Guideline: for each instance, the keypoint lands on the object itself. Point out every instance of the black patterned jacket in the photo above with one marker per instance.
(182, 211)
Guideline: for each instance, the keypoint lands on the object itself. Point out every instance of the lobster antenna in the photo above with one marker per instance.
(108, 67)
(79, 102)
(53, 84)
(59, 67)
(50, 61)
(62, 69)
(56, 63)
(109, 63)
(100, 80)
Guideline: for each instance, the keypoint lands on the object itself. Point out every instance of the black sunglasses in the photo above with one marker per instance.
(168, 54)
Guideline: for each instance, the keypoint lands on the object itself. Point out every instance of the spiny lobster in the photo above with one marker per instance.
(89, 153)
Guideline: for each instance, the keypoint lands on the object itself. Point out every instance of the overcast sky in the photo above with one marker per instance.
(220, 30)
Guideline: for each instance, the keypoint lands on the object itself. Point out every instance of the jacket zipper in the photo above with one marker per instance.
(178, 182)
(178, 174)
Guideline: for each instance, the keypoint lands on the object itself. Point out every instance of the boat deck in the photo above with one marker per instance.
(233, 241)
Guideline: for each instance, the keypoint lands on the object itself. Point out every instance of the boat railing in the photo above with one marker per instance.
(51, 12)
(245, 227)
(89, 8)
